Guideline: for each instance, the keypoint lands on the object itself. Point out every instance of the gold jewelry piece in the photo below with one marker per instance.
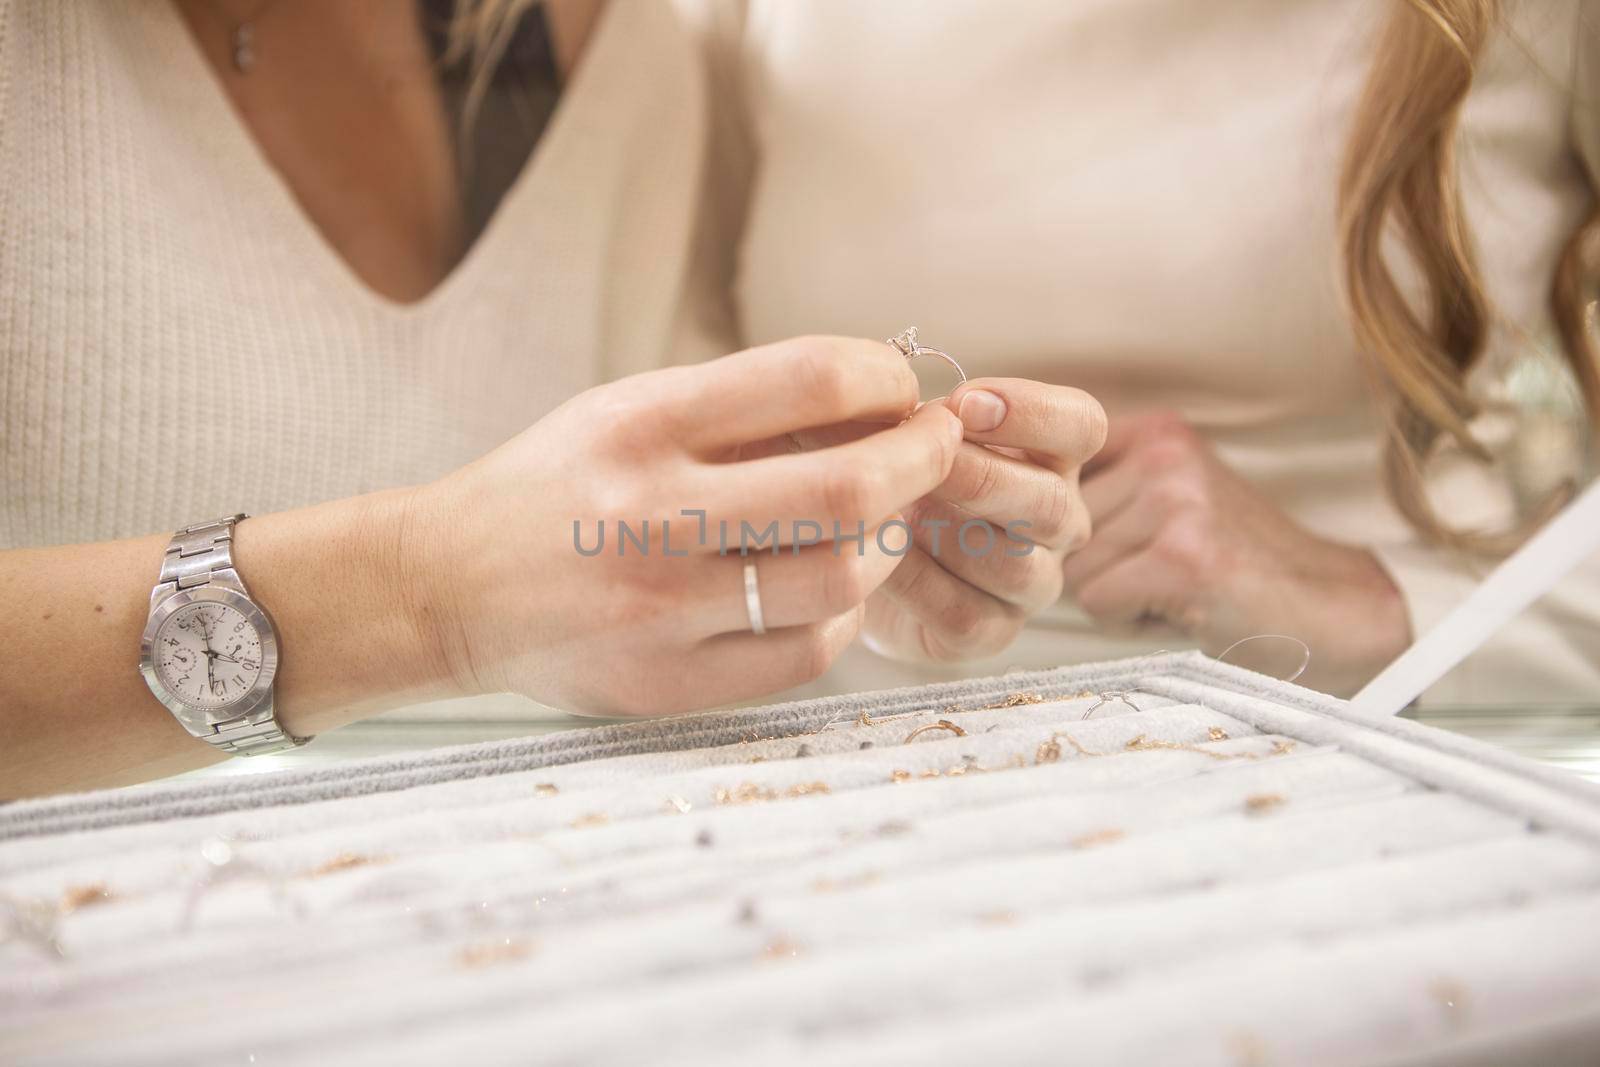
(942, 724)
(857, 881)
(1078, 747)
(906, 344)
(1097, 837)
(751, 793)
(83, 896)
(505, 950)
(594, 818)
(344, 861)
(1262, 803)
(1048, 751)
(1141, 743)
(1217, 733)
(545, 789)
(745, 793)
(780, 948)
(1014, 700)
(679, 805)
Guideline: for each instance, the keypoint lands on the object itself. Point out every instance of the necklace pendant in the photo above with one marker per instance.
(244, 48)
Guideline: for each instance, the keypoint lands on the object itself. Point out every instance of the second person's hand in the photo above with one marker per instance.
(991, 537)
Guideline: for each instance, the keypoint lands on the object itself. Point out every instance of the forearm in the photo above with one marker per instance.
(345, 582)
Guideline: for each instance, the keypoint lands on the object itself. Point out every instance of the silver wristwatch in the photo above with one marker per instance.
(209, 652)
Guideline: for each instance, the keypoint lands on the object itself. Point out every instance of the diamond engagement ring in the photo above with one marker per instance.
(906, 344)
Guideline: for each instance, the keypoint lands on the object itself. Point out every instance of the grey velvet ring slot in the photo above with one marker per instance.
(1237, 865)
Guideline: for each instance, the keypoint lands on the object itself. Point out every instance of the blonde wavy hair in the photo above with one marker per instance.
(1400, 172)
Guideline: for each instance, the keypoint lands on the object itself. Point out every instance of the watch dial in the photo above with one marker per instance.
(207, 654)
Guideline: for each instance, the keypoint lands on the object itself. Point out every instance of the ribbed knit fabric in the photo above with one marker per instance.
(177, 341)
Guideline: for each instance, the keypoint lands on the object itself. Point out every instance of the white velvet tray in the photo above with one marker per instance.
(1223, 869)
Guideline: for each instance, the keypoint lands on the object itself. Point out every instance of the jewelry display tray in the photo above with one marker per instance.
(1217, 868)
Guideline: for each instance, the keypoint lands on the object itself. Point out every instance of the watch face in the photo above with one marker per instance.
(207, 654)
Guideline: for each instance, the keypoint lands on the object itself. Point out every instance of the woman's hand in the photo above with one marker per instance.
(1179, 539)
(958, 595)
(662, 626)
(474, 583)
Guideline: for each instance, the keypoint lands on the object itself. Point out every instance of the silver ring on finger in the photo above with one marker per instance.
(752, 598)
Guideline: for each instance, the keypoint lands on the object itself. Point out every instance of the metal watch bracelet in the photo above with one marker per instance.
(199, 555)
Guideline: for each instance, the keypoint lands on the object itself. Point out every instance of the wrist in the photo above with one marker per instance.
(348, 587)
(430, 576)
(1371, 628)
(1391, 616)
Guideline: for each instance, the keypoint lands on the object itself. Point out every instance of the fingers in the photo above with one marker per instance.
(796, 586)
(953, 619)
(1135, 590)
(1058, 426)
(853, 485)
(1127, 432)
(739, 666)
(791, 385)
(981, 554)
(1004, 489)
(1128, 532)
(1110, 489)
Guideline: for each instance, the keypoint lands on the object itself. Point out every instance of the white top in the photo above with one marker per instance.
(177, 340)
(1139, 200)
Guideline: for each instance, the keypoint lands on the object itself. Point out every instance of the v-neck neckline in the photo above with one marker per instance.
(214, 106)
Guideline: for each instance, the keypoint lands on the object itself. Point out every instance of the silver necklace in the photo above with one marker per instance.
(243, 38)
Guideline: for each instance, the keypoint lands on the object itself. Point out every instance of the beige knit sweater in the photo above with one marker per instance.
(1108, 194)
(178, 341)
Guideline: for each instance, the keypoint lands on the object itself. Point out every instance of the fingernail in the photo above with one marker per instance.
(982, 411)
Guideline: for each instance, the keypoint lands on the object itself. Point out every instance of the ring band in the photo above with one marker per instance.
(752, 598)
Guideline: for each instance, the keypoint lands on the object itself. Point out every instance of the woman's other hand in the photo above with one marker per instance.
(1181, 540)
(663, 626)
(958, 595)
